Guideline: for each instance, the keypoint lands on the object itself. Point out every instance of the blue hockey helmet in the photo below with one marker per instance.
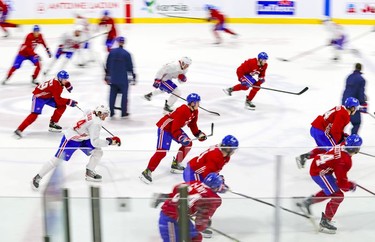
(106, 13)
(213, 180)
(230, 141)
(62, 75)
(353, 143)
(193, 97)
(36, 28)
(120, 39)
(209, 7)
(351, 102)
(262, 56)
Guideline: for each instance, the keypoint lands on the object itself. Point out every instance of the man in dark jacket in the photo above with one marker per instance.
(118, 67)
(355, 87)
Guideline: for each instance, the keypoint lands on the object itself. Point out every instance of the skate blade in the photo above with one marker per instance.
(54, 130)
(36, 189)
(93, 179)
(250, 108)
(226, 92)
(176, 171)
(142, 178)
(326, 231)
(299, 165)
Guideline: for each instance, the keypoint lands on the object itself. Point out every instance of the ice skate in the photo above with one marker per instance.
(4, 81)
(54, 127)
(228, 91)
(249, 105)
(326, 225)
(34, 81)
(301, 160)
(148, 96)
(146, 176)
(207, 233)
(93, 176)
(17, 134)
(176, 167)
(305, 206)
(158, 198)
(167, 108)
(35, 182)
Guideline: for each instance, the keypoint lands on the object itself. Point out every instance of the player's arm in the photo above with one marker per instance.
(337, 129)
(341, 175)
(94, 132)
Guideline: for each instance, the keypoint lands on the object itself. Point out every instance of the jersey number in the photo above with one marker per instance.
(44, 85)
(324, 158)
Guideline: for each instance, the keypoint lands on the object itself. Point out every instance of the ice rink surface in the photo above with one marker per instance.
(279, 126)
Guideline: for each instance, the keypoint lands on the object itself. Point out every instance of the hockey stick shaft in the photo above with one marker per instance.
(173, 16)
(102, 126)
(216, 113)
(282, 91)
(224, 234)
(365, 189)
(212, 131)
(270, 204)
(363, 153)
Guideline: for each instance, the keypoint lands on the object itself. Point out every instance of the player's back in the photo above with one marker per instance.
(81, 130)
(169, 71)
(212, 160)
(325, 121)
(48, 89)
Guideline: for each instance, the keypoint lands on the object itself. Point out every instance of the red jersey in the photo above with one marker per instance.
(202, 202)
(337, 161)
(27, 48)
(215, 14)
(250, 67)
(212, 160)
(51, 89)
(333, 122)
(3, 8)
(174, 121)
(112, 32)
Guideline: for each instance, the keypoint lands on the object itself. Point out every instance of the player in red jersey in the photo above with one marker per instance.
(109, 23)
(4, 10)
(215, 14)
(170, 128)
(49, 93)
(202, 201)
(328, 129)
(27, 52)
(245, 73)
(337, 161)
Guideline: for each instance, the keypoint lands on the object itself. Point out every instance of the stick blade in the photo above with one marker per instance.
(303, 90)
(282, 59)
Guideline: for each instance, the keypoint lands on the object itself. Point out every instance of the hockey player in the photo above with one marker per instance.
(170, 128)
(109, 24)
(4, 10)
(27, 52)
(84, 54)
(49, 93)
(84, 135)
(69, 43)
(337, 161)
(355, 87)
(216, 15)
(338, 38)
(328, 129)
(245, 74)
(202, 208)
(163, 81)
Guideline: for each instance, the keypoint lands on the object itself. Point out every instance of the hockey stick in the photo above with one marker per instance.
(282, 91)
(373, 193)
(209, 135)
(371, 115)
(223, 234)
(216, 113)
(363, 153)
(172, 16)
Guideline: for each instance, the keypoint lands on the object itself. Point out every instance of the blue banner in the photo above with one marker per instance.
(276, 7)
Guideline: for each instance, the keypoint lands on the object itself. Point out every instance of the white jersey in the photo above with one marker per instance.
(68, 40)
(170, 71)
(336, 30)
(84, 22)
(87, 128)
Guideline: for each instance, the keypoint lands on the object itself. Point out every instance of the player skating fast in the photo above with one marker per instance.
(164, 81)
(338, 38)
(27, 52)
(85, 53)
(245, 74)
(328, 129)
(49, 93)
(329, 171)
(4, 11)
(170, 128)
(85, 136)
(109, 23)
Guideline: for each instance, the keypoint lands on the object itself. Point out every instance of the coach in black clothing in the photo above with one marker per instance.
(118, 67)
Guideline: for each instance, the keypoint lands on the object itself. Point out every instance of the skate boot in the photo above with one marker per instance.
(18, 134)
(207, 233)
(167, 108)
(146, 176)
(301, 160)
(228, 91)
(176, 167)
(326, 225)
(93, 176)
(35, 183)
(54, 127)
(249, 105)
(4, 81)
(148, 96)
(305, 206)
(158, 198)
(34, 81)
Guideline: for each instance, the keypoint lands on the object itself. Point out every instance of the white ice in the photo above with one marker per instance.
(279, 126)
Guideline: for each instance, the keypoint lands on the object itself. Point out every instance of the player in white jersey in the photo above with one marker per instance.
(69, 43)
(163, 81)
(338, 38)
(84, 135)
(84, 53)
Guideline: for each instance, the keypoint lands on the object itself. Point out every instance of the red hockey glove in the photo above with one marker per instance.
(184, 140)
(363, 108)
(68, 87)
(72, 103)
(76, 46)
(182, 78)
(156, 83)
(114, 141)
(201, 136)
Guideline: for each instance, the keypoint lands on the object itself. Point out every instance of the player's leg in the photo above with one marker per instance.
(168, 86)
(190, 175)
(114, 90)
(252, 94)
(59, 111)
(176, 166)
(16, 65)
(124, 100)
(172, 98)
(356, 122)
(168, 228)
(36, 62)
(215, 31)
(96, 155)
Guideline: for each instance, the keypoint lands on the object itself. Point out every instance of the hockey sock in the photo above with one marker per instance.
(229, 31)
(95, 157)
(319, 197)
(334, 204)
(155, 159)
(48, 166)
(28, 120)
(59, 111)
(182, 152)
(240, 87)
(37, 70)
(13, 69)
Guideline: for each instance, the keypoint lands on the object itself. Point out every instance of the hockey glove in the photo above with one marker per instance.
(363, 108)
(72, 103)
(261, 80)
(184, 140)
(247, 81)
(201, 136)
(49, 53)
(76, 46)
(182, 78)
(114, 141)
(353, 186)
(68, 87)
(224, 187)
(156, 83)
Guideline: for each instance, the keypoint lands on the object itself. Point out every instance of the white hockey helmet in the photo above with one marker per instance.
(103, 109)
(78, 27)
(186, 60)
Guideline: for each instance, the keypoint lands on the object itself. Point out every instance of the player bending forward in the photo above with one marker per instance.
(163, 81)
(202, 201)
(84, 135)
(337, 161)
